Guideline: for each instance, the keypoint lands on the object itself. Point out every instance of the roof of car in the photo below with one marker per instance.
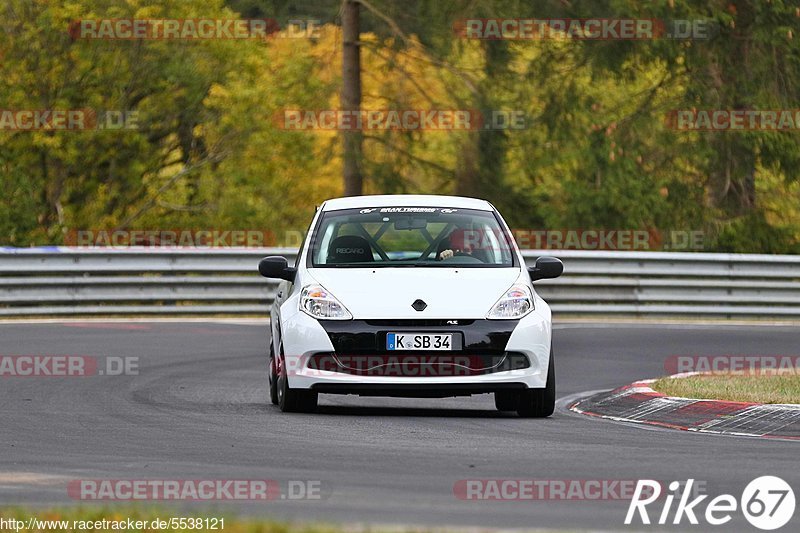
(406, 200)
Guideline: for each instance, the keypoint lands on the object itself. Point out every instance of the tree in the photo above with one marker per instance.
(351, 95)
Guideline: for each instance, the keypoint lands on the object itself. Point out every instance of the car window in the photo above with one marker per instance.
(410, 236)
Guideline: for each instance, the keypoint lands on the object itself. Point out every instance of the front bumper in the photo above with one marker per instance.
(350, 357)
(417, 390)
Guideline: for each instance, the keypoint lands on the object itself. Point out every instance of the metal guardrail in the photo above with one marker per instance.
(61, 281)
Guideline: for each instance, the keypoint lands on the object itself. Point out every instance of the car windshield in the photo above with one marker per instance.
(410, 236)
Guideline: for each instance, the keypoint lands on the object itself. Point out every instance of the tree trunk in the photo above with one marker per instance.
(479, 171)
(735, 157)
(351, 97)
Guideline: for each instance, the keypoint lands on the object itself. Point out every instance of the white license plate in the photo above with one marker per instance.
(419, 341)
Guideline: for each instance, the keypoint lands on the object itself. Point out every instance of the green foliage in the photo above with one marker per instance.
(752, 231)
(596, 151)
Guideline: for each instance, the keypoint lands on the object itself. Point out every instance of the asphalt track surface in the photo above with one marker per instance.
(199, 410)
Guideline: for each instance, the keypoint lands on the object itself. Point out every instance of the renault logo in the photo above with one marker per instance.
(419, 305)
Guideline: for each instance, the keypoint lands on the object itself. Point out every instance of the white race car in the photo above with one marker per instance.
(413, 296)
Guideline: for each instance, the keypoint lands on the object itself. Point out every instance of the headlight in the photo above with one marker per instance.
(515, 303)
(319, 303)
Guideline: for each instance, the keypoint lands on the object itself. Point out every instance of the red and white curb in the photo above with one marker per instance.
(639, 403)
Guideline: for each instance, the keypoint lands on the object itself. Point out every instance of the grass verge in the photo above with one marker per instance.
(745, 388)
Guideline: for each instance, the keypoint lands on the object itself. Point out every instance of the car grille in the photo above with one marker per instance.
(368, 337)
(417, 364)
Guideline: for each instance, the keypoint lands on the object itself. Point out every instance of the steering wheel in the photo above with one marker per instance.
(462, 258)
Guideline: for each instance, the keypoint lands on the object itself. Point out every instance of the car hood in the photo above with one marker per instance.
(387, 293)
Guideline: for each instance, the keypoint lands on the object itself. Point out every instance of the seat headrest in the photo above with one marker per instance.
(349, 249)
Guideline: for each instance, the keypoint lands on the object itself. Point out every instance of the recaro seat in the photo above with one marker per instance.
(349, 249)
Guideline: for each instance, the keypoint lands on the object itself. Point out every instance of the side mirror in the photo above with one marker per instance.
(546, 268)
(276, 266)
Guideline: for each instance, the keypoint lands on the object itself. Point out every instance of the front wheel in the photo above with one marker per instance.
(540, 403)
(273, 376)
(294, 400)
(506, 400)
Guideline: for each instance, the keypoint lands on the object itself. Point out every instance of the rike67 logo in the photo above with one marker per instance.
(767, 503)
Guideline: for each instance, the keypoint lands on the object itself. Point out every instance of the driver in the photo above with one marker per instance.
(455, 243)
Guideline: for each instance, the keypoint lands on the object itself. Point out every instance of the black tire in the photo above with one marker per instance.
(540, 403)
(273, 376)
(293, 400)
(506, 400)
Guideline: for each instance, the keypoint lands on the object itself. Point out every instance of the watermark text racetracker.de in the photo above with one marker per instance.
(84, 119)
(544, 489)
(34, 524)
(602, 29)
(705, 120)
(399, 365)
(197, 489)
(399, 120)
(602, 239)
(167, 238)
(734, 365)
(193, 29)
(54, 365)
